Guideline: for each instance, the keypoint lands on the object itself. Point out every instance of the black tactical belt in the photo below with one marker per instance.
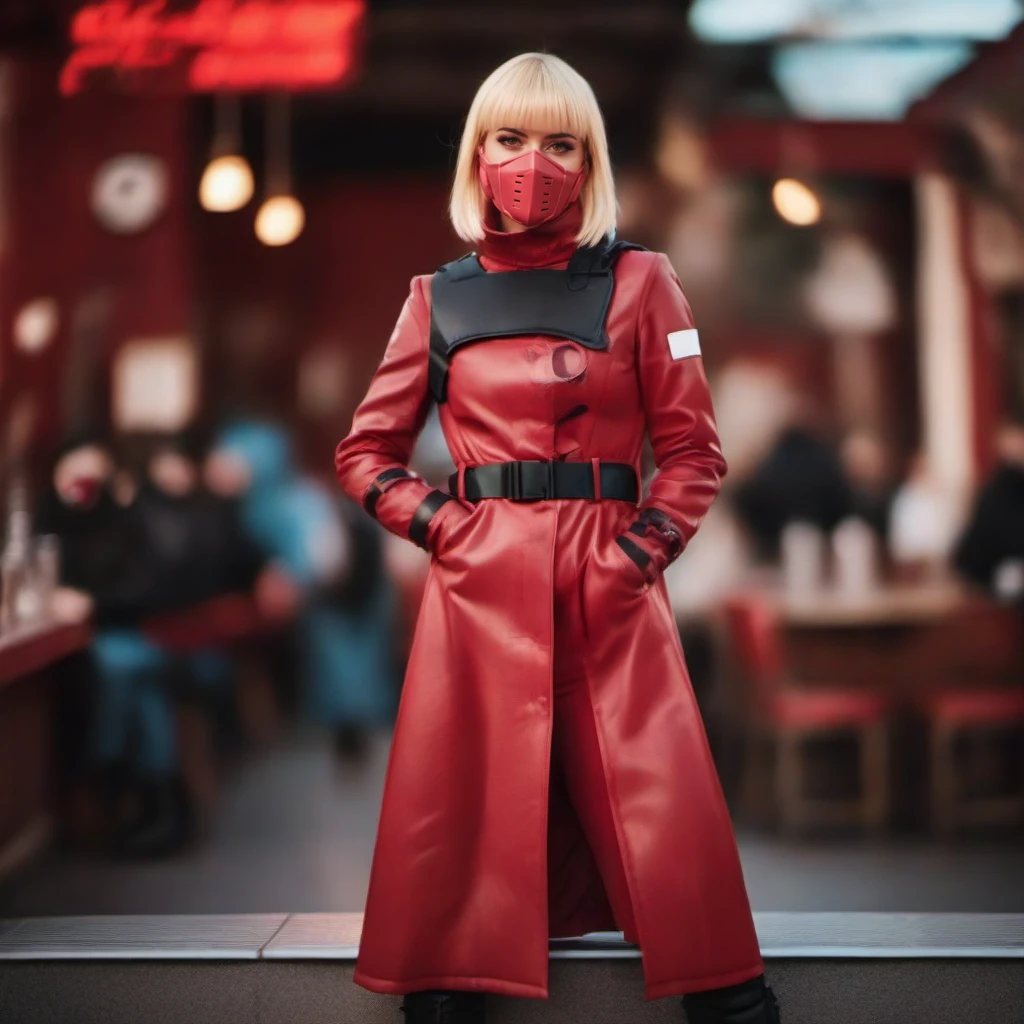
(539, 480)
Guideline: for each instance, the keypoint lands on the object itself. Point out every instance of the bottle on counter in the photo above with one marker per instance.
(19, 597)
(803, 547)
(855, 557)
(46, 571)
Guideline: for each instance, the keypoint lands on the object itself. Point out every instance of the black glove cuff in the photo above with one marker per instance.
(424, 513)
(380, 484)
(652, 521)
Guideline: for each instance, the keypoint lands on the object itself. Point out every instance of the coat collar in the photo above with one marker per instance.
(547, 245)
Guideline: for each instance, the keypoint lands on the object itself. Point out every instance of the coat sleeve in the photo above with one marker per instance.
(680, 424)
(371, 462)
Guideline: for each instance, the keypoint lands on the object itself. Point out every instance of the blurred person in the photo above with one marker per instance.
(201, 552)
(241, 565)
(923, 522)
(545, 655)
(345, 621)
(77, 505)
(167, 502)
(164, 503)
(188, 548)
(105, 554)
(193, 510)
(185, 552)
(867, 464)
(990, 552)
(360, 626)
(801, 479)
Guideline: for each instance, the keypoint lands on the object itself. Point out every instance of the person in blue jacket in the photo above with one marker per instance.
(347, 613)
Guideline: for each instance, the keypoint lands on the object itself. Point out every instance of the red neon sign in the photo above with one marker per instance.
(218, 44)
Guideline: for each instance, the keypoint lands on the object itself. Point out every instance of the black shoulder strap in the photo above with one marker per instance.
(456, 270)
(597, 259)
(463, 267)
(586, 264)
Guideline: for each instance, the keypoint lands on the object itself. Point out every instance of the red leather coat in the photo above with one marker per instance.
(459, 894)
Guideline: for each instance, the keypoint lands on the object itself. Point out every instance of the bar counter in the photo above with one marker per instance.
(30, 661)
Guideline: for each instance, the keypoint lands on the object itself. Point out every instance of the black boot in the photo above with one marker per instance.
(750, 1002)
(439, 1006)
(166, 821)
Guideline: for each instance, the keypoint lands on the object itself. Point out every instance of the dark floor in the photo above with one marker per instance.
(294, 833)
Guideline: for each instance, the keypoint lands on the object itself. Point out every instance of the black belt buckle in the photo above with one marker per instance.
(543, 474)
(530, 480)
(512, 484)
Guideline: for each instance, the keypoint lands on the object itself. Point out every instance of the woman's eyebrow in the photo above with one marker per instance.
(553, 135)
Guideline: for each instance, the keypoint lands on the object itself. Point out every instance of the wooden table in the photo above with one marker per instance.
(888, 605)
(32, 650)
(904, 638)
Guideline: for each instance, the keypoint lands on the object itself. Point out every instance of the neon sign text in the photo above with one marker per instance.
(229, 44)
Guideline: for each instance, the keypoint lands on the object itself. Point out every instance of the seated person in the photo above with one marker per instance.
(990, 552)
(332, 552)
(801, 479)
(105, 555)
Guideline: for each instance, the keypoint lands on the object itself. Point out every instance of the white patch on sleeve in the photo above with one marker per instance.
(684, 343)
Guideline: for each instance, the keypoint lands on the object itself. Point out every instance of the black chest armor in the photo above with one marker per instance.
(469, 303)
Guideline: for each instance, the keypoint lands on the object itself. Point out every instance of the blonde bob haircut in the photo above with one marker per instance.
(535, 89)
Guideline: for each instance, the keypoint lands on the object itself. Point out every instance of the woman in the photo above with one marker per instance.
(549, 773)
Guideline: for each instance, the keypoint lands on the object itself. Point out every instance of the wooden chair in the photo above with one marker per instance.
(953, 713)
(229, 621)
(786, 716)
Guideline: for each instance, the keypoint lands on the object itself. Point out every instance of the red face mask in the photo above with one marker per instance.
(530, 188)
(83, 491)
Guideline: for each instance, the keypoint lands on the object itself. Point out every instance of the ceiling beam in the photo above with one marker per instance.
(870, 148)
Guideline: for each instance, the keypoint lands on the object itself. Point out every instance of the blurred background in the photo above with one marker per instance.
(210, 211)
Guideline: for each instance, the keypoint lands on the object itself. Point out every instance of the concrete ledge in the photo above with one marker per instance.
(316, 937)
(896, 936)
(140, 937)
(336, 937)
(297, 969)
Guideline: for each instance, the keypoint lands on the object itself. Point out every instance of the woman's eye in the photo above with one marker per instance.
(508, 140)
(562, 147)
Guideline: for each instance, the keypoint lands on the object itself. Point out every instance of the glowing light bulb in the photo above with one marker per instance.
(226, 184)
(795, 202)
(280, 220)
(36, 324)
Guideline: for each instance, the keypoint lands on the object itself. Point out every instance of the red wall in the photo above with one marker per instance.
(54, 245)
(343, 280)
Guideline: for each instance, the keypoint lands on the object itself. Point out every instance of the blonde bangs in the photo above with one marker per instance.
(530, 93)
(531, 89)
